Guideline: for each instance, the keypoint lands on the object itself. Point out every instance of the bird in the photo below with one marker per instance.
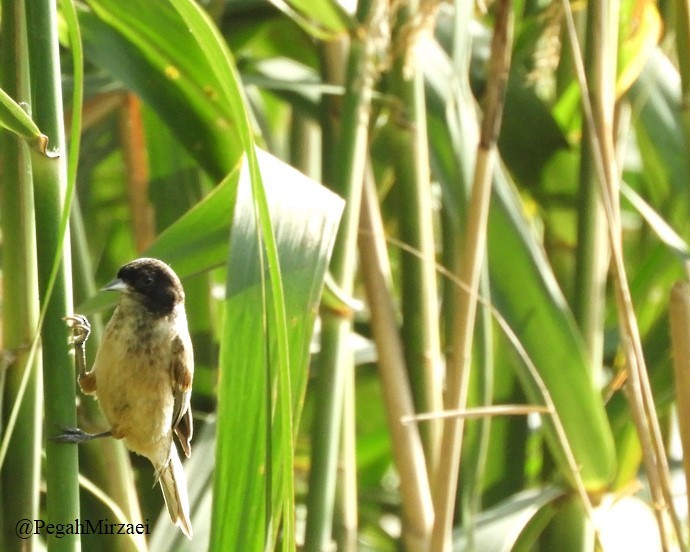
(142, 375)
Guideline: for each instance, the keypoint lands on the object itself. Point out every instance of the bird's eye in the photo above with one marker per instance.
(146, 280)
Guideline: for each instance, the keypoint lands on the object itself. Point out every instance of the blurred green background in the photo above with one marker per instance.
(174, 130)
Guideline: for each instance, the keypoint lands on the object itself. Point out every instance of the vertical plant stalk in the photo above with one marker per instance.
(303, 145)
(420, 309)
(639, 393)
(334, 68)
(20, 472)
(480, 394)
(408, 453)
(345, 523)
(682, 21)
(679, 312)
(592, 256)
(336, 359)
(50, 185)
(471, 260)
(463, 114)
(592, 245)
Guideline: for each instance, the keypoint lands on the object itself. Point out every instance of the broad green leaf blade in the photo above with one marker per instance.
(150, 48)
(197, 241)
(305, 218)
(527, 152)
(527, 295)
(222, 64)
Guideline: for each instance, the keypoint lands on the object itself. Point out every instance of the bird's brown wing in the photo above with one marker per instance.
(181, 374)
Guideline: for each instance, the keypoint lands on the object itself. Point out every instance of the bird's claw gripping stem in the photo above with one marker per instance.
(81, 329)
(75, 435)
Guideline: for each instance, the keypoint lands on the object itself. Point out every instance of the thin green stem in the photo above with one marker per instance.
(70, 15)
(592, 254)
(50, 186)
(420, 309)
(682, 34)
(592, 247)
(679, 314)
(408, 454)
(445, 483)
(22, 395)
(336, 358)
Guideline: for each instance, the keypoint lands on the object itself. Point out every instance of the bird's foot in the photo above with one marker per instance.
(81, 329)
(76, 435)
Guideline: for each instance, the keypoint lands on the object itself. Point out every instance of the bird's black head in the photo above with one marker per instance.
(152, 282)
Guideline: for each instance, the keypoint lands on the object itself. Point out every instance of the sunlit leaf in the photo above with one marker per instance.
(149, 47)
(640, 30)
(527, 294)
(305, 218)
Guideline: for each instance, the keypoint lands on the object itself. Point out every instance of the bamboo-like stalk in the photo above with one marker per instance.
(588, 302)
(20, 471)
(592, 248)
(592, 258)
(419, 290)
(336, 358)
(682, 35)
(333, 69)
(445, 483)
(479, 395)
(639, 390)
(50, 185)
(345, 521)
(679, 313)
(408, 454)
(303, 145)
(463, 113)
(345, 524)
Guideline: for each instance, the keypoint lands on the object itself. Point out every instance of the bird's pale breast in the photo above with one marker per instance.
(132, 370)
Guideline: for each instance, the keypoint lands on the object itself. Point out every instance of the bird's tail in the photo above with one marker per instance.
(174, 485)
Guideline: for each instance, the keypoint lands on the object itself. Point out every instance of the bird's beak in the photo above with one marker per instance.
(115, 285)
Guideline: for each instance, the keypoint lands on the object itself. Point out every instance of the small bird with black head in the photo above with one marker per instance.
(142, 375)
